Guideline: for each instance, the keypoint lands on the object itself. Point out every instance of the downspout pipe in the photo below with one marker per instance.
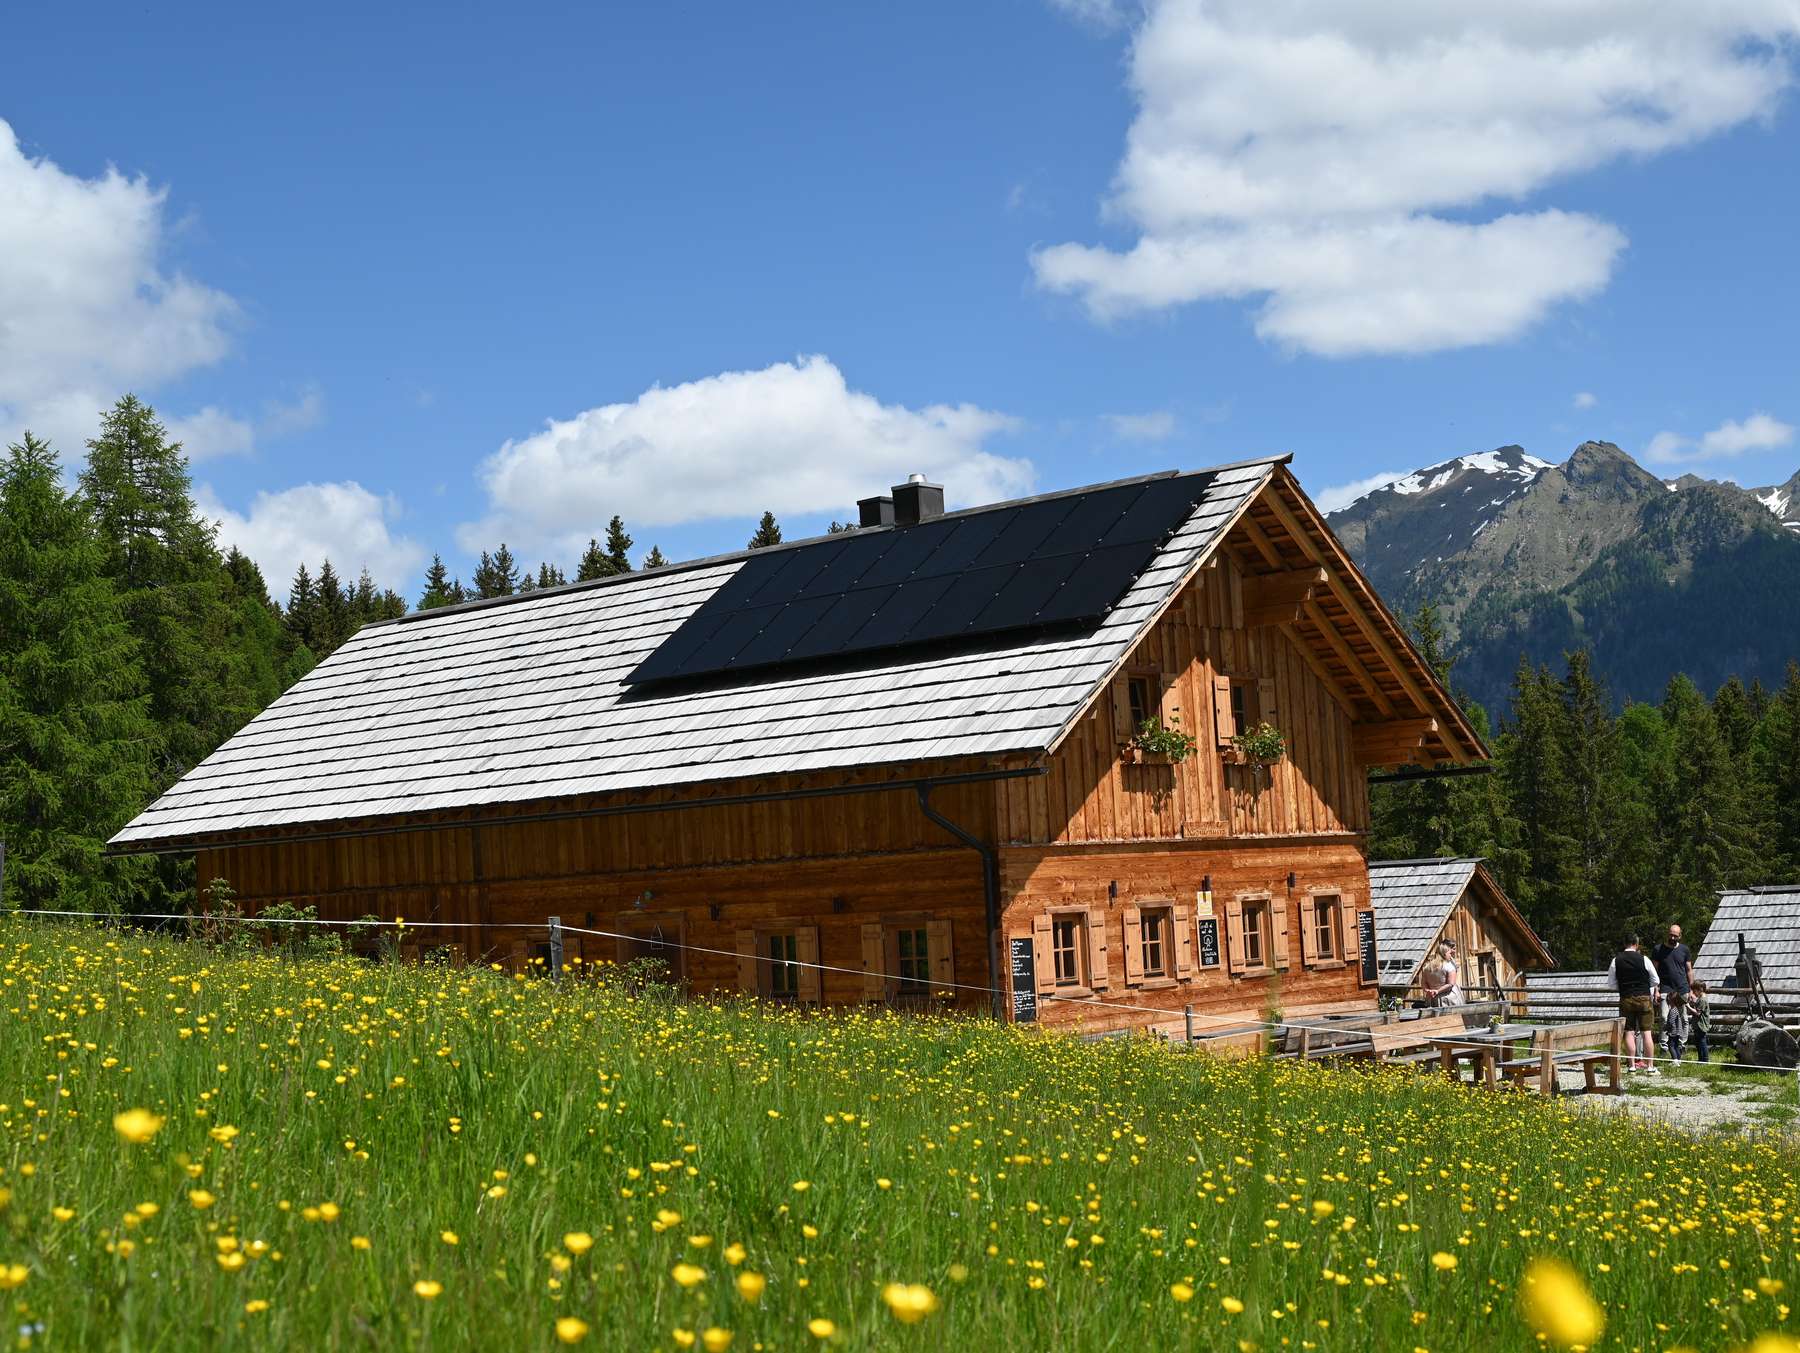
(990, 887)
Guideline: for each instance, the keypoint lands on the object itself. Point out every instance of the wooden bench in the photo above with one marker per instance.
(1398, 1043)
(1559, 1045)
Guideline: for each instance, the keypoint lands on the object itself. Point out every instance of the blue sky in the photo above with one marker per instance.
(751, 257)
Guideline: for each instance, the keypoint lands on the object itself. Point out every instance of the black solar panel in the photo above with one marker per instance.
(1055, 562)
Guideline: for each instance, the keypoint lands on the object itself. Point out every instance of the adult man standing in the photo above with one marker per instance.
(1634, 977)
(1675, 966)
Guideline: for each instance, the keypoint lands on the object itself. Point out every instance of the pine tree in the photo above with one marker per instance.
(497, 575)
(437, 586)
(303, 601)
(1589, 746)
(1737, 721)
(332, 614)
(618, 546)
(594, 563)
(1532, 767)
(655, 559)
(768, 532)
(1705, 825)
(838, 528)
(548, 575)
(75, 734)
(1778, 758)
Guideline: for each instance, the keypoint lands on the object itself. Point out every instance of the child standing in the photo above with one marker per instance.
(1700, 1009)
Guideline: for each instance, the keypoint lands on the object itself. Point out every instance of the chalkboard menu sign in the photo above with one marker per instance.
(1024, 978)
(1365, 944)
(1209, 941)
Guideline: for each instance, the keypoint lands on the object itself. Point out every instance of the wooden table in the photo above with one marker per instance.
(1485, 1048)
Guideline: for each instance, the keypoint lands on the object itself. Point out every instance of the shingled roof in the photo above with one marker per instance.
(523, 698)
(1413, 899)
(1769, 920)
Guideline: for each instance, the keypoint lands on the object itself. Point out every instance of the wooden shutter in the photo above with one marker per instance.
(1223, 726)
(1347, 949)
(1265, 701)
(874, 956)
(1121, 698)
(1309, 945)
(1099, 953)
(943, 958)
(1133, 940)
(1234, 936)
(1278, 924)
(810, 979)
(746, 960)
(1184, 943)
(1040, 950)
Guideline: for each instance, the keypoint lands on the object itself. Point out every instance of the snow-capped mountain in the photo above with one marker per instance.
(1783, 500)
(1522, 556)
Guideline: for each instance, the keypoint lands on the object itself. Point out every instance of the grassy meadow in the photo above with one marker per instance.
(205, 1149)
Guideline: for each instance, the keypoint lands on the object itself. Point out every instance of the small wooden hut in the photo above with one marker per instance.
(1419, 903)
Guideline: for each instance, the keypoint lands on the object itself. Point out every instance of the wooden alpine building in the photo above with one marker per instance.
(901, 765)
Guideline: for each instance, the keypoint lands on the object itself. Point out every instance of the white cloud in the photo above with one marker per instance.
(790, 438)
(1158, 426)
(1586, 399)
(88, 308)
(1104, 15)
(342, 522)
(1758, 432)
(1333, 496)
(1301, 154)
(212, 432)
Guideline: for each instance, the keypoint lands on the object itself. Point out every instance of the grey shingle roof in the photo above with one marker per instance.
(1411, 899)
(523, 699)
(1572, 995)
(1769, 921)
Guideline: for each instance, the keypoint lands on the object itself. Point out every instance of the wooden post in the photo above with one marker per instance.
(556, 947)
(1187, 1019)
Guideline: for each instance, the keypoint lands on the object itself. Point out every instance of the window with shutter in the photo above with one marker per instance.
(1323, 924)
(1184, 943)
(1259, 935)
(1224, 724)
(1156, 942)
(943, 958)
(874, 960)
(781, 973)
(1099, 952)
(1236, 941)
(809, 977)
(1041, 951)
(746, 960)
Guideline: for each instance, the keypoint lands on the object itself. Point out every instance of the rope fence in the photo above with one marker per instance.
(1234, 1024)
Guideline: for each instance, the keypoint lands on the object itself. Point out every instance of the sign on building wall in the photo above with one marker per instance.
(1024, 978)
(1209, 941)
(1365, 945)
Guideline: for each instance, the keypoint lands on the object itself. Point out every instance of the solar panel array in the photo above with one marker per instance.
(1047, 563)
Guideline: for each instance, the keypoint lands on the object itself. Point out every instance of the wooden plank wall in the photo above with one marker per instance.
(1092, 795)
(1034, 879)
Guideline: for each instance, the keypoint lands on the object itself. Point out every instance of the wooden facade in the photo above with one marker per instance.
(1112, 866)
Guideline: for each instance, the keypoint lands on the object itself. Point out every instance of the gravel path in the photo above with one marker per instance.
(1702, 1100)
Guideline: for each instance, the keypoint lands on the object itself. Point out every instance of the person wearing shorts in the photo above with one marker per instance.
(1634, 977)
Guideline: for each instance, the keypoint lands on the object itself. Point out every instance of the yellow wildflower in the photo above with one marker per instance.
(821, 1328)
(428, 1289)
(687, 1274)
(716, 1340)
(578, 1242)
(1556, 1303)
(137, 1125)
(910, 1302)
(750, 1285)
(571, 1330)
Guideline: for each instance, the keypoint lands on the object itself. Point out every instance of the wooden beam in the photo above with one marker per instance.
(1275, 598)
(1264, 546)
(1392, 741)
(1352, 663)
(1335, 691)
(1371, 631)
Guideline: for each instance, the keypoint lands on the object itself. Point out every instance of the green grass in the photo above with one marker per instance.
(1051, 1194)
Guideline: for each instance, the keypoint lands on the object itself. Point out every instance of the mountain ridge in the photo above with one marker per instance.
(1526, 557)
